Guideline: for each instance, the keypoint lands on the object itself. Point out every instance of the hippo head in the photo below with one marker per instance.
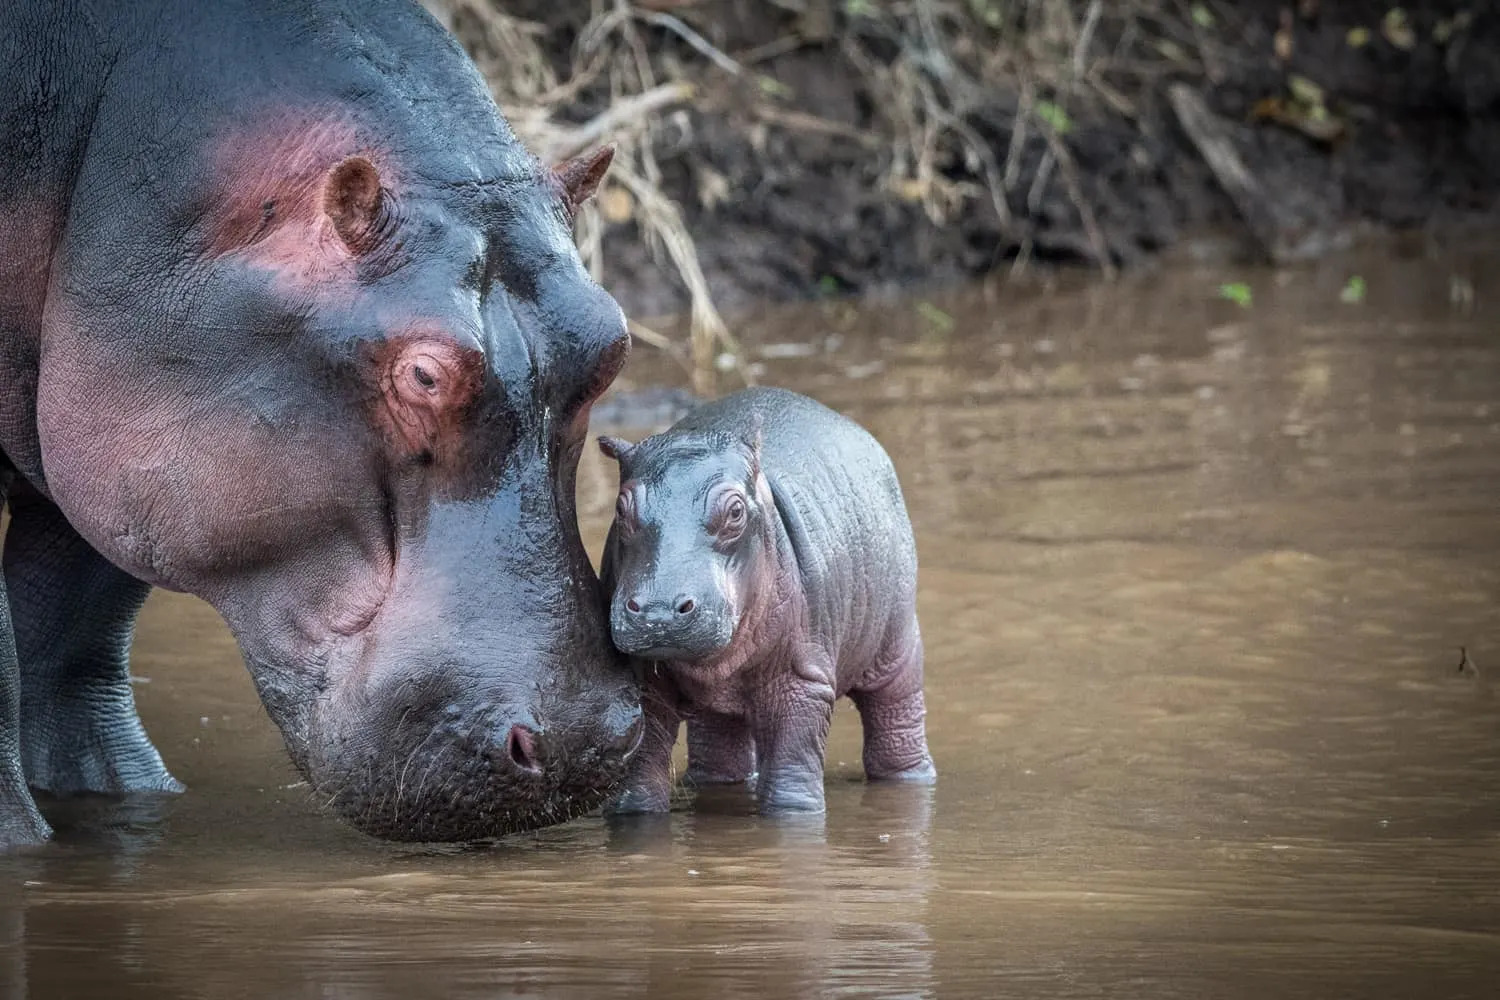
(692, 537)
(349, 416)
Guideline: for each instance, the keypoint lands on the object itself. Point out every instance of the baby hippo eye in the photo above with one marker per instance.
(423, 379)
(731, 517)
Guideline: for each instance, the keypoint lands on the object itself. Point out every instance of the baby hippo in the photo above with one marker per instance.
(760, 566)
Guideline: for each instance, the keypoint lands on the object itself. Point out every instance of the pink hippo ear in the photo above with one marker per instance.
(352, 199)
(577, 179)
(616, 448)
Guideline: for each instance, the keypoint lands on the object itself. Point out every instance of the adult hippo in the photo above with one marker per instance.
(289, 320)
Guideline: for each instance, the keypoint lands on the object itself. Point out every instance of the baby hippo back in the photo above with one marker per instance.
(838, 497)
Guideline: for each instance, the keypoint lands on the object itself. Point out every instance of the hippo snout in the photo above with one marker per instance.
(676, 625)
(455, 742)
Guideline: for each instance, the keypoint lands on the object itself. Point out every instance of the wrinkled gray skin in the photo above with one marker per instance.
(289, 320)
(761, 565)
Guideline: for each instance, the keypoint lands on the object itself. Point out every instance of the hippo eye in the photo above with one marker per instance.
(625, 509)
(732, 517)
(423, 379)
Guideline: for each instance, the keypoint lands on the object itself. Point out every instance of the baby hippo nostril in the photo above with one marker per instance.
(685, 605)
(521, 742)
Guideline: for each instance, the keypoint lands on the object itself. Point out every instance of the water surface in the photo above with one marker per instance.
(1194, 579)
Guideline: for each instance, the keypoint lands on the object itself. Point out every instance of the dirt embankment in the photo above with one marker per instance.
(856, 145)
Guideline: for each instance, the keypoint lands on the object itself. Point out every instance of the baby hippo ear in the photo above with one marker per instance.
(616, 448)
(754, 435)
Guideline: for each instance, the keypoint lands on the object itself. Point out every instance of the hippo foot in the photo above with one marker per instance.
(26, 830)
(696, 778)
(638, 801)
(924, 773)
(791, 797)
(90, 754)
(792, 805)
(21, 825)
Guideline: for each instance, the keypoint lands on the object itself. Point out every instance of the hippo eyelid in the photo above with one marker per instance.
(721, 503)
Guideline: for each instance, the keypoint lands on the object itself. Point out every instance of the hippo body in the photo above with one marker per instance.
(290, 321)
(762, 565)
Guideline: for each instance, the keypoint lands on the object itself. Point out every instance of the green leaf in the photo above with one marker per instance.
(772, 87)
(1056, 118)
(988, 11)
(828, 285)
(1202, 16)
(1354, 291)
(1237, 292)
(1358, 38)
(935, 316)
(1305, 91)
(859, 8)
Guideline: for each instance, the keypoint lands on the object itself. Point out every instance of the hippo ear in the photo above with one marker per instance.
(577, 179)
(616, 448)
(353, 201)
(754, 435)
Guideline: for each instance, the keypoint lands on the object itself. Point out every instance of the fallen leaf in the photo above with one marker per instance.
(1055, 117)
(1397, 29)
(935, 316)
(1237, 292)
(1282, 45)
(1305, 90)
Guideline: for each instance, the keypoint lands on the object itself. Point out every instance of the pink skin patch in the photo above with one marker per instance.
(277, 182)
(428, 384)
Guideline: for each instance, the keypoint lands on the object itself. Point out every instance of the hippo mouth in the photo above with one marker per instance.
(463, 796)
(667, 654)
(438, 768)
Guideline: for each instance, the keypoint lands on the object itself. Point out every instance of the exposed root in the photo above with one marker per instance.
(508, 51)
(1017, 124)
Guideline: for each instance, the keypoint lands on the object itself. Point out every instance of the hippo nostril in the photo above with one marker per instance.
(686, 606)
(632, 605)
(521, 743)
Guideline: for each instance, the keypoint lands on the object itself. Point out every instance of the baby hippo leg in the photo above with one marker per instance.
(648, 785)
(720, 750)
(893, 715)
(791, 731)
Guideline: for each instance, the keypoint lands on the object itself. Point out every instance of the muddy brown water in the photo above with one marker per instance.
(1194, 579)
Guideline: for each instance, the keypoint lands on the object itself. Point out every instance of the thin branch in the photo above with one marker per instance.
(694, 39)
(629, 111)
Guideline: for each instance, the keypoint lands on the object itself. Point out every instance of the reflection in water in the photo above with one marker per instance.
(1194, 579)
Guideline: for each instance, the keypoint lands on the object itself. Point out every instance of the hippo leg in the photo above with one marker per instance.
(20, 823)
(791, 732)
(720, 750)
(893, 714)
(648, 784)
(74, 617)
